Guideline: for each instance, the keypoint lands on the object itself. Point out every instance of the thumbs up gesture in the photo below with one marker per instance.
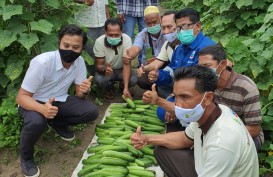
(48, 110)
(150, 97)
(138, 140)
(153, 75)
(127, 57)
(85, 86)
(108, 70)
(141, 70)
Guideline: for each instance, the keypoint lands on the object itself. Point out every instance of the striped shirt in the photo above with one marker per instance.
(242, 96)
(134, 8)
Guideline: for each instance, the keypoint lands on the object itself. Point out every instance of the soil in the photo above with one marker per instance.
(55, 157)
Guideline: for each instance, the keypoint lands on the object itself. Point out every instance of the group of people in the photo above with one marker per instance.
(212, 114)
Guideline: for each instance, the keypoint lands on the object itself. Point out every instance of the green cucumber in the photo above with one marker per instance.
(143, 173)
(147, 150)
(119, 155)
(132, 123)
(105, 140)
(87, 169)
(113, 161)
(129, 102)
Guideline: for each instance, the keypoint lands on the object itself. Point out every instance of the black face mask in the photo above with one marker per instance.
(69, 56)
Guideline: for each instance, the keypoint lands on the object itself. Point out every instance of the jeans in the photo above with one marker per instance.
(129, 28)
(72, 112)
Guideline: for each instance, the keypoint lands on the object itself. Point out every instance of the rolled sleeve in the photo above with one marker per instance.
(81, 72)
(163, 55)
(190, 131)
(34, 77)
(140, 38)
(127, 43)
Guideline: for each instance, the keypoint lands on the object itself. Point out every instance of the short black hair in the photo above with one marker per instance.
(188, 12)
(72, 29)
(112, 21)
(217, 52)
(205, 78)
(169, 13)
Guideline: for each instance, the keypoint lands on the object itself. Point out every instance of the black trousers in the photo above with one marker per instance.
(72, 112)
(175, 163)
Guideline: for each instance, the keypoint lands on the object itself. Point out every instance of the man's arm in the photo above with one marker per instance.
(131, 54)
(173, 140)
(107, 9)
(152, 65)
(100, 65)
(25, 100)
(254, 130)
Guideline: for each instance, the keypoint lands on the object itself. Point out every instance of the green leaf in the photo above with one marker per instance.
(42, 25)
(256, 69)
(248, 42)
(87, 58)
(32, 1)
(267, 35)
(267, 119)
(27, 16)
(270, 8)
(240, 24)
(2, 63)
(6, 38)
(53, 3)
(270, 96)
(267, 54)
(14, 67)
(3, 80)
(10, 10)
(48, 43)
(268, 17)
(241, 3)
(17, 27)
(255, 47)
(28, 40)
(245, 15)
(2, 3)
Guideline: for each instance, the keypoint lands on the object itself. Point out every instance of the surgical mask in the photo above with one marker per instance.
(215, 71)
(154, 29)
(171, 36)
(186, 36)
(113, 41)
(190, 115)
(69, 56)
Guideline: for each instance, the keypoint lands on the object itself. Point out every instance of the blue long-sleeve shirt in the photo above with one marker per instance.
(184, 55)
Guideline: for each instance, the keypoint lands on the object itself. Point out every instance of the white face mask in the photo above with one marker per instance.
(190, 115)
(170, 37)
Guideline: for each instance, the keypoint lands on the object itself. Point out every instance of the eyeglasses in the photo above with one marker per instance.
(184, 27)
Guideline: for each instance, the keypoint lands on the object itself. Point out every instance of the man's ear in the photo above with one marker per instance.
(208, 98)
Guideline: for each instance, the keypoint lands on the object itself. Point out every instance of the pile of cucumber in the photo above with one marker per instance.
(115, 156)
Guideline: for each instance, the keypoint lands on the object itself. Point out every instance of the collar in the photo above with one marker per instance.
(174, 44)
(59, 63)
(111, 46)
(197, 40)
(216, 113)
(232, 78)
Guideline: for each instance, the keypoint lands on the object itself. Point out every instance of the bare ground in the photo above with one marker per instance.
(55, 157)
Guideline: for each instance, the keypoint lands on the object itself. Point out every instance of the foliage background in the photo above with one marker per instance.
(245, 29)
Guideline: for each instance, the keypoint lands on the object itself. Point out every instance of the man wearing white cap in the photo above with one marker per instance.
(149, 38)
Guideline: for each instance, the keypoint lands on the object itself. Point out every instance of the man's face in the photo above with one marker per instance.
(168, 24)
(71, 42)
(152, 19)
(113, 31)
(186, 96)
(207, 61)
(187, 24)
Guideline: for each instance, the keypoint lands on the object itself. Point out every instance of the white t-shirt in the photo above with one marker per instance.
(165, 55)
(110, 55)
(228, 149)
(46, 77)
(92, 16)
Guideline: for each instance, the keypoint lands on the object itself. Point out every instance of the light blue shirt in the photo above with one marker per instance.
(46, 77)
(142, 41)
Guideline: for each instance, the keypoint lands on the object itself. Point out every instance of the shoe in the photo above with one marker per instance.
(64, 133)
(29, 168)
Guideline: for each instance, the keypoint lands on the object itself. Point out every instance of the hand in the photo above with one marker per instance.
(138, 140)
(141, 70)
(153, 75)
(127, 57)
(121, 18)
(127, 93)
(86, 85)
(170, 117)
(48, 110)
(108, 70)
(150, 97)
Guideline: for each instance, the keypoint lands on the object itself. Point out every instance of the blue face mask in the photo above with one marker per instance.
(190, 115)
(154, 29)
(215, 71)
(171, 36)
(113, 41)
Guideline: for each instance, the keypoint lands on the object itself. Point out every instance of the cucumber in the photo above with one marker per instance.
(120, 122)
(139, 102)
(133, 116)
(154, 128)
(153, 121)
(132, 123)
(135, 119)
(151, 158)
(114, 133)
(106, 126)
(136, 110)
(115, 169)
(91, 161)
(113, 161)
(105, 140)
(144, 162)
(143, 173)
(102, 173)
(154, 115)
(147, 150)
(87, 169)
(130, 148)
(143, 106)
(127, 136)
(96, 156)
(97, 148)
(130, 175)
(118, 148)
(119, 140)
(135, 168)
(119, 155)
(129, 102)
